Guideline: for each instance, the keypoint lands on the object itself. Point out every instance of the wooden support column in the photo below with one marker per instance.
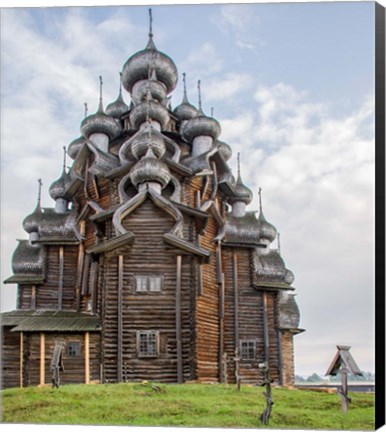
(33, 297)
(82, 230)
(266, 327)
(93, 285)
(120, 321)
(42, 359)
(178, 321)
(279, 345)
(87, 358)
(61, 271)
(236, 298)
(21, 358)
(220, 282)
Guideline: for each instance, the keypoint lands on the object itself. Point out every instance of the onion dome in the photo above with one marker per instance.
(149, 109)
(58, 187)
(224, 149)
(117, 108)
(201, 125)
(31, 222)
(137, 66)
(185, 111)
(243, 193)
(28, 259)
(267, 230)
(75, 146)
(146, 139)
(156, 88)
(100, 122)
(289, 315)
(150, 169)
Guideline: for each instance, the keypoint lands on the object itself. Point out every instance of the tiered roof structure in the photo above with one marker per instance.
(151, 244)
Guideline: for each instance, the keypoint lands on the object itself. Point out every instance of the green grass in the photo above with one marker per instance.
(199, 405)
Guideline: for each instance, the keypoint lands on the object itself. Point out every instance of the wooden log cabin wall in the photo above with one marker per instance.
(149, 266)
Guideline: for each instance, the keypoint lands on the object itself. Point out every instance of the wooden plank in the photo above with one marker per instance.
(120, 320)
(87, 358)
(266, 328)
(178, 321)
(236, 297)
(78, 283)
(21, 358)
(61, 271)
(42, 358)
(93, 284)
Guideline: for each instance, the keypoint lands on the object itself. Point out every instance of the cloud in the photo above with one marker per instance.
(317, 175)
(241, 21)
(228, 86)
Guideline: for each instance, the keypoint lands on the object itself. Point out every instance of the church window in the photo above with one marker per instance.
(148, 283)
(73, 349)
(147, 343)
(248, 349)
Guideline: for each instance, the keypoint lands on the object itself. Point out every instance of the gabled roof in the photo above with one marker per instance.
(343, 356)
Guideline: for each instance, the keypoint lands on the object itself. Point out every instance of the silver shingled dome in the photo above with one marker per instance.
(150, 169)
(289, 315)
(267, 230)
(137, 68)
(201, 126)
(75, 146)
(117, 108)
(58, 187)
(224, 149)
(243, 194)
(31, 222)
(149, 109)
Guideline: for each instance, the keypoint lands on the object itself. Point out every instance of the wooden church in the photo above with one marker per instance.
(149, 266)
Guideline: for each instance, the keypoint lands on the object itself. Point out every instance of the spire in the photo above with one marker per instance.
(39, 192)
(260, 203)
(199, 95)
(185, 98)
(120, 86)
(100, 108)
(211, 112)
(238, 166)
(150, 45)
(85, 109)
(64, 158)
(278, 242)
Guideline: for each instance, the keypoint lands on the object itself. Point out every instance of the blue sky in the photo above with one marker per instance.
(293, 88)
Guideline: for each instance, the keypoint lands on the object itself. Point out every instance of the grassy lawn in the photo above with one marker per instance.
(199, 405)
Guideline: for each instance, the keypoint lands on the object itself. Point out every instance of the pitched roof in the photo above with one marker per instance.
(45, 320)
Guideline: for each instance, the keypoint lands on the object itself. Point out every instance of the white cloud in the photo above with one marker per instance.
(317, 175)
(228, 86)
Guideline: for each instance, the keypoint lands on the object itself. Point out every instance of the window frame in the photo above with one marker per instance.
(148, 334)
(251, 345)
(70, 345)
(143, 283)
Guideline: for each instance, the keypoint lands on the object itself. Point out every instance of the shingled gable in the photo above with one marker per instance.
(343, 357)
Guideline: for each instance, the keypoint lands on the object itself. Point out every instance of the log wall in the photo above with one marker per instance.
(10, 360)
(149, 255)
(288, 374)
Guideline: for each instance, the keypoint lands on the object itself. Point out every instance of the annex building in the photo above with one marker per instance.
(149, 265)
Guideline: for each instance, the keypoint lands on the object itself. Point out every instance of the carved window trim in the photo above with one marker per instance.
(148, 343)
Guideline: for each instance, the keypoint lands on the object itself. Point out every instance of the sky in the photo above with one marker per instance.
(292, 85)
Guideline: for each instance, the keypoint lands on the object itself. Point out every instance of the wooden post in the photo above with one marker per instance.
(237, 368)
(21, 358)
(120, 321)
(42, 358)
(266, 328)
(178, 321)
(236, 298)
(61, 271)
(93, 285)
(82, 229)
(33, 297)
(87, 358)
(279, 345)
(221, 326)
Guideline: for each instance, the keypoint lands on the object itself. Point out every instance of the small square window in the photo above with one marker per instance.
(148, 283)
(73, 349)
(147, 342)
(248, 350)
